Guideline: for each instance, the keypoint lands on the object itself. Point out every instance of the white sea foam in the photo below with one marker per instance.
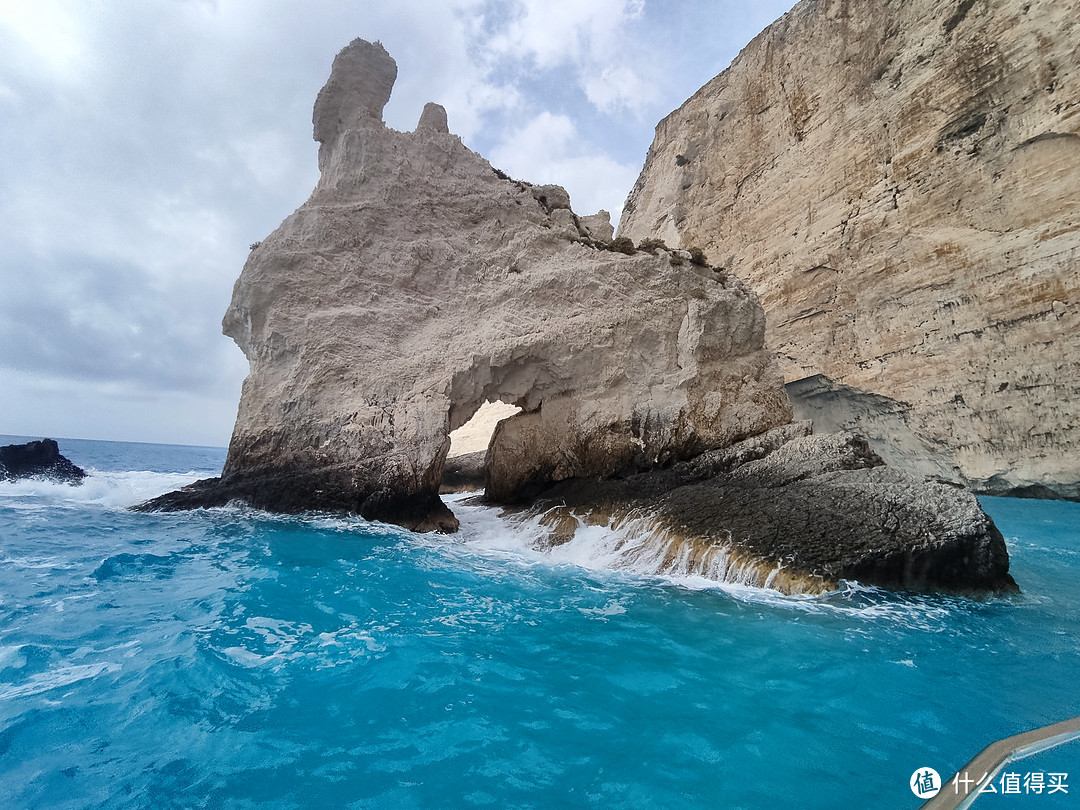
(637, 549)
(640, 546)
(613, 608)
(55, 678)
(274, 643)
(247, 658)
(11, 657)
(109, 489)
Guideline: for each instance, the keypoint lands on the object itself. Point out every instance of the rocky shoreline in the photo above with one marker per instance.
(796, 512)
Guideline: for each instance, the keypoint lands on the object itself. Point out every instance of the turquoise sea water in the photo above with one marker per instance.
(232, 659)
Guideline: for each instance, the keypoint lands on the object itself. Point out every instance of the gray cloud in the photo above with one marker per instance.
(111, 321)
(144, 145)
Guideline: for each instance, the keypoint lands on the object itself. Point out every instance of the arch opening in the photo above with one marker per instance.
(464, 469)
(475, 435)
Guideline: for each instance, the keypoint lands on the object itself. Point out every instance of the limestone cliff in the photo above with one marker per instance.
(900, 183)
(417, 283)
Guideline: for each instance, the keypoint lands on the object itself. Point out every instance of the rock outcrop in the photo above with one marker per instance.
(900, 183)
(38, 459)
(417, 283)
(791, 511)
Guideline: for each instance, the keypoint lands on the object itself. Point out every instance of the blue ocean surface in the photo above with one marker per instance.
(234, 659)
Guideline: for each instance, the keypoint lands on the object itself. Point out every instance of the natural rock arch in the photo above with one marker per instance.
(418, 282)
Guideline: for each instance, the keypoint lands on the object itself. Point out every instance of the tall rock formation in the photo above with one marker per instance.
(900, 183)
(417, 283)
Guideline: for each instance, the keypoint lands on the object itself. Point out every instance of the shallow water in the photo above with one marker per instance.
(227, 658)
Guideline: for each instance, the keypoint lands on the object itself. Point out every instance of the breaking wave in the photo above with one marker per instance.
(637, 549)
(110, 489)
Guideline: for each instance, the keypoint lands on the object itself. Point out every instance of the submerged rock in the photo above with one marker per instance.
(38, 459)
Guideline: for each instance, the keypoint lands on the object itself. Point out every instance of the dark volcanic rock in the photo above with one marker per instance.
(40, 459)
(801, 513)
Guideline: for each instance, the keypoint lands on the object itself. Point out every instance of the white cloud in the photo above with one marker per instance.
(548, 149)
(587, 39)
(46, 34)
(557, 32)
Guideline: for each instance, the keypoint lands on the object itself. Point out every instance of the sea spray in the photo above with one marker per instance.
(103, 488)
(635, 541)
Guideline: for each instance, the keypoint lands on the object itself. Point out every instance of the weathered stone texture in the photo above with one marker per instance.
(417, 283)
(900, 183)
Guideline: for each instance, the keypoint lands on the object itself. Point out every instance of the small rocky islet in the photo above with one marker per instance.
(418, 282)
(38, 459)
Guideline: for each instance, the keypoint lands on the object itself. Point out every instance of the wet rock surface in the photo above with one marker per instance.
(798, 512)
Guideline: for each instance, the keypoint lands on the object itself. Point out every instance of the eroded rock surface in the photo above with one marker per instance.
(900, 182)
(417, 283)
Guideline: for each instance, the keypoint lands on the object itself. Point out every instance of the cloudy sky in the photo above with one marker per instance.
(144, 144)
